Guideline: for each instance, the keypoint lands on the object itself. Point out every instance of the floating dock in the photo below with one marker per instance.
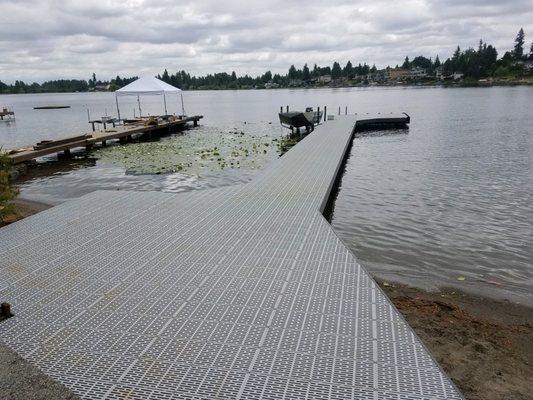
(121, 132)
(382, 121)
(243, 292)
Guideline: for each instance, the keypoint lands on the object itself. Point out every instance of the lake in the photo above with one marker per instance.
(446, 203)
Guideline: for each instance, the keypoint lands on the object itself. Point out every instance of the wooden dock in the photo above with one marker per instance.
(88, 140)
(241, 292)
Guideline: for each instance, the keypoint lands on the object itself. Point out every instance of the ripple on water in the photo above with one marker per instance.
(446, 201)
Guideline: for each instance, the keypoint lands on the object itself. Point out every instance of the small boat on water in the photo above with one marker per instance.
(300, 119)
(49, 107)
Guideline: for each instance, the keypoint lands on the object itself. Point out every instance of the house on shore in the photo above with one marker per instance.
(397, 74)
(417, 73)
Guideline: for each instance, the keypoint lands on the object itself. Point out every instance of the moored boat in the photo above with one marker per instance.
(299, 119)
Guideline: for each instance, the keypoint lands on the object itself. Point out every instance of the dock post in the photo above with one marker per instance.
(339, 110)
(346, 111)
(281, 109)
(287, 108)
(325, 113)
(318, 114)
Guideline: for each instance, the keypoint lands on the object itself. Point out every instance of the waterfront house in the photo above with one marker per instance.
(417, 73)
(396, 74)
(324, 79)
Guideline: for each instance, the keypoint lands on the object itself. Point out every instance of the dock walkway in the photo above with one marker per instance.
(242, 292)
(90, 139)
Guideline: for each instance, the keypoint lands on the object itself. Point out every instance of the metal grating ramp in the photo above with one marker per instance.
(235, 293)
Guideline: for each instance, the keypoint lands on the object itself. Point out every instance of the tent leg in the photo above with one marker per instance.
(165, 101)
(118, 109)
(139, 103)
(182, 108)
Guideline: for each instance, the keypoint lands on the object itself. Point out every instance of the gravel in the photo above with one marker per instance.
(19, 380)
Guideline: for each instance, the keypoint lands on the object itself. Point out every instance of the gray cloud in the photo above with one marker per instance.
(51, 39)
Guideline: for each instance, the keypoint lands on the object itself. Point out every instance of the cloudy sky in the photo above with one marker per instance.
(50, 39)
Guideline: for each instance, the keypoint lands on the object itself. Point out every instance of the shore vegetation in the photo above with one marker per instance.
(7, 192)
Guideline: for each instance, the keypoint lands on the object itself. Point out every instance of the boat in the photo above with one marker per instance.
(300, 119)
(6, 113)
(49, 107)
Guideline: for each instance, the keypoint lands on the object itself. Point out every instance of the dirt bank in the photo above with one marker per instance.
(23, 208)
(484, 345)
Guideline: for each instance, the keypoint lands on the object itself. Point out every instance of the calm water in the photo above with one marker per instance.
(445, 204)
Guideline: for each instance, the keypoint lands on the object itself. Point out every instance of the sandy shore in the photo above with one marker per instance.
(484, 345)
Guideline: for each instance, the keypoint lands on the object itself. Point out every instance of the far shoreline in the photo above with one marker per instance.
(417, 85)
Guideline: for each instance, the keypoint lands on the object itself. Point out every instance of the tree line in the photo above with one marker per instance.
(475, 63)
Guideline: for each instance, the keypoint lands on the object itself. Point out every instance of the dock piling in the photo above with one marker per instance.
(325, 113)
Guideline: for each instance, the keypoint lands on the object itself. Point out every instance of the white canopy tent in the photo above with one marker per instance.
(148, 86)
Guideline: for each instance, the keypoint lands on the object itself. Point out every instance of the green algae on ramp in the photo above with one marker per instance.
(198, 151)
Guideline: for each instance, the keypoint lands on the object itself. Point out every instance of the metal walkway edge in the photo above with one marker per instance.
(235, 293)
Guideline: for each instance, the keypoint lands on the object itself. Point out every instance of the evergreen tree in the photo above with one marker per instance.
(406, 64)
(348, 70)
(519, 45)
(421, 62)
(436, 64)
(292, 72)
(316, 72)
(165, 77)
(336, 71)
(267, 77)
(306, 75)
(456, 54)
